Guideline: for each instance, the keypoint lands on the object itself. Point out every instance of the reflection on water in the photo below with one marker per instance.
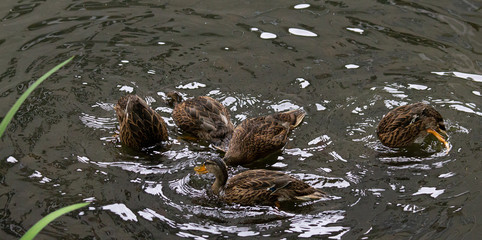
(345, 63)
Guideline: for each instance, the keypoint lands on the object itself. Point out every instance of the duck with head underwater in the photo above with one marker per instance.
(204, 117)
(258, 137)
(411, 123)
(139, 125)
(260, 186)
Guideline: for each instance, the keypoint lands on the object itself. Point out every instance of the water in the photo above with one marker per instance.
(346, 63)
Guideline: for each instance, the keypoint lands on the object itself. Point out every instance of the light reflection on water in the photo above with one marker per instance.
(318, 225)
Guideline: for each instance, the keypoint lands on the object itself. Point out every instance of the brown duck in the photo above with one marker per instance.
(411, 123)
(203, 117)
(265, 187)
(258, 137)
(140, 125)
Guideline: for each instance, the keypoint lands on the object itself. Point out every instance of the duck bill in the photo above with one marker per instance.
(440, 138)
(201, 169)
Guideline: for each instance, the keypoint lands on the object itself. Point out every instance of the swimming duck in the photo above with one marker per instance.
(260, 186)
(411, 123)
(258, 137)
(140, 125)
(203, 117)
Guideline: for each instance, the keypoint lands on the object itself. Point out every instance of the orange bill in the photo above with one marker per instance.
(201, 169)
(440, 138)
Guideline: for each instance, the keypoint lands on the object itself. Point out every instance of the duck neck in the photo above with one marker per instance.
(221, 179)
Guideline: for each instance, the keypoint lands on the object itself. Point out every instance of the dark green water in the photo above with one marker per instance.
(346, 63)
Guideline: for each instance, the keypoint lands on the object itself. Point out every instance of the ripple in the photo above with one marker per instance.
(357, 30)
(317, 225)
(122, 211)
(43, 179)
(460, 106)
(127, 89)
(104, 106)
(468, 76)
(417, 86)
(135, 167)
(192, 85)
(410, 208)
(320, 107)
(432, 191)
(463, 108)
(396, 92)
(98, 122)
(285, 105)
(298, 152)
(303, 82)
(447, 175)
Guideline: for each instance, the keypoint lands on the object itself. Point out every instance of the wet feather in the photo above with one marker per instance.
(139, 125)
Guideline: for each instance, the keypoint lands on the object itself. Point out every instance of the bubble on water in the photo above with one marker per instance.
(127, 89)
(303, 82)
(267, 35)
(301, 6)
(352, 66)
(417, 86)
(357, 30)
(12, 160)
(302, 32)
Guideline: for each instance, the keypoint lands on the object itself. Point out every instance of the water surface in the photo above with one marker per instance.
(346, 63)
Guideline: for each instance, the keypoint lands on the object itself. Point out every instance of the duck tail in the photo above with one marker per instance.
(293, 117)
(314, 196)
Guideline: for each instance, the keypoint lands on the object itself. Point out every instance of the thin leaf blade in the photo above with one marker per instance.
(35, 229)
(6, 120)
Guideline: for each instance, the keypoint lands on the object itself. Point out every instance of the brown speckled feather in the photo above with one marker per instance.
(405, 124)
(203, 117)
(258, 137)
(293, 117)
(140, 126)
(265, 187)
(259, 186)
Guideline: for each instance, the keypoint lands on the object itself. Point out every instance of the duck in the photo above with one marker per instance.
(258, 137)
(203, 117)
(258, 186)
(411, 123)
(139, 125)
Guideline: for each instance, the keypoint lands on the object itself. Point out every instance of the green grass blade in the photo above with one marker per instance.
(35, 229)
(18, 103)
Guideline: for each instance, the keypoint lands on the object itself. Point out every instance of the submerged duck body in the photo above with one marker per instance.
(203, 117)
(258, 137)
(265, 187)
(139, 125)
(407, 124)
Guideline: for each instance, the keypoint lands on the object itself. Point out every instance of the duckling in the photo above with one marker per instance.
(411, 123)
(260, 186)
(258, 137)
(203, 117)
(140, 125)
